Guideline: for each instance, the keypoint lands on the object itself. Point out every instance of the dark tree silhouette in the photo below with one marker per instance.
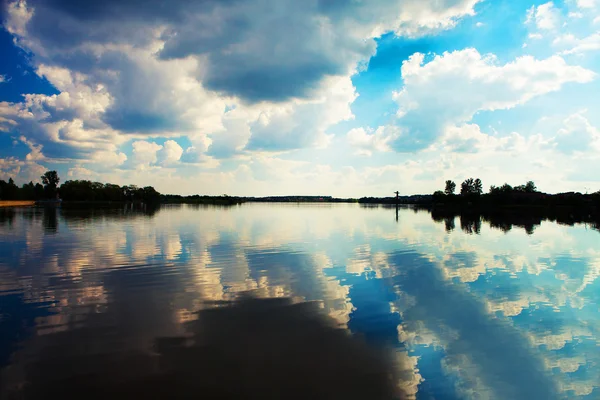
(96, 191)
(478, 186)
(38, 191)
(507, 189)
(438, 196)
(504, 189)
(8, 190)
(50, 180)
(450, 187)
(471, 187)
(466, 187)
(530, 187)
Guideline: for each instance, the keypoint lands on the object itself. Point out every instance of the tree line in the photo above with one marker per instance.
(471, 192)
(30, 191)
(474, 187)
(76, 190)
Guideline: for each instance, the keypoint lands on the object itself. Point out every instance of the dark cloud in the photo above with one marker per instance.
(254, 51)
(267, 53)
(258, 82)
(134, 121)
(94, 10)
(151, 66)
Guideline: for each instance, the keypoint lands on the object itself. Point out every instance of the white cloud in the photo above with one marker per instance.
(144, 153)
(574, 45)
(535, 36)
(545, 16)
(587, 3)
(155, 72)
(19, 15)
(303, 123)
(108, 159)
(70, 137)
(577, 135)
(79, 172)
(21, 171)
(452, 87)
(231, 79)
(170, 153)
(3, 79)
(369, 141)
(36, 150)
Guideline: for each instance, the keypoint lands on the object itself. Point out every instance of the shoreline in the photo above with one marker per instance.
(589, 208)
(17, 203)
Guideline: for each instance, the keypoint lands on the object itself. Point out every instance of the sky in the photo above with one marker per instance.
(318, 97)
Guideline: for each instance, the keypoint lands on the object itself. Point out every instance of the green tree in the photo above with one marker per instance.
(450, 187)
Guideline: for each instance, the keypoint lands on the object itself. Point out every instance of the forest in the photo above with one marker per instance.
(76, 191)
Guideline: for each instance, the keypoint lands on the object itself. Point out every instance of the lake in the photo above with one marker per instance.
(469, 309)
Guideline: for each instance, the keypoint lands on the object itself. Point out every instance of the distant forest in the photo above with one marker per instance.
(88, 191)
(76, 190)
(470, 196)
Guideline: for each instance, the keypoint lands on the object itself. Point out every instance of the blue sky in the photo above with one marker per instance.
(318, 97)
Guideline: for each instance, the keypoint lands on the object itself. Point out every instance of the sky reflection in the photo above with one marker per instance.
(475, 312)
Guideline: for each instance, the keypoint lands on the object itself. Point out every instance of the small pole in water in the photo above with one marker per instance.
(397, 201)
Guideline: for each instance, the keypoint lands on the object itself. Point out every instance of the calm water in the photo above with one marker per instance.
(470, 311)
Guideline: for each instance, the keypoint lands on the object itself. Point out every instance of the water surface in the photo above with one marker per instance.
(471, 310)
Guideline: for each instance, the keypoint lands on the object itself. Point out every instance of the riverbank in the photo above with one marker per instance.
(17, 203)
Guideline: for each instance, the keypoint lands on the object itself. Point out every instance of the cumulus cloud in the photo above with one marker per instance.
(574, 45)
(303, 124)
(170, 153)
(254, 50)
(144, 69)
(264, 57)
(367, 141)
(61, 140)
(108, 159)
(468, 138)
(144, 153)
(79, 172)
(545, 16)
(250, 79)
(20, 170)
(452, 87)
(233, 138)
(36, 150)
(587, 3)
(577, 135)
